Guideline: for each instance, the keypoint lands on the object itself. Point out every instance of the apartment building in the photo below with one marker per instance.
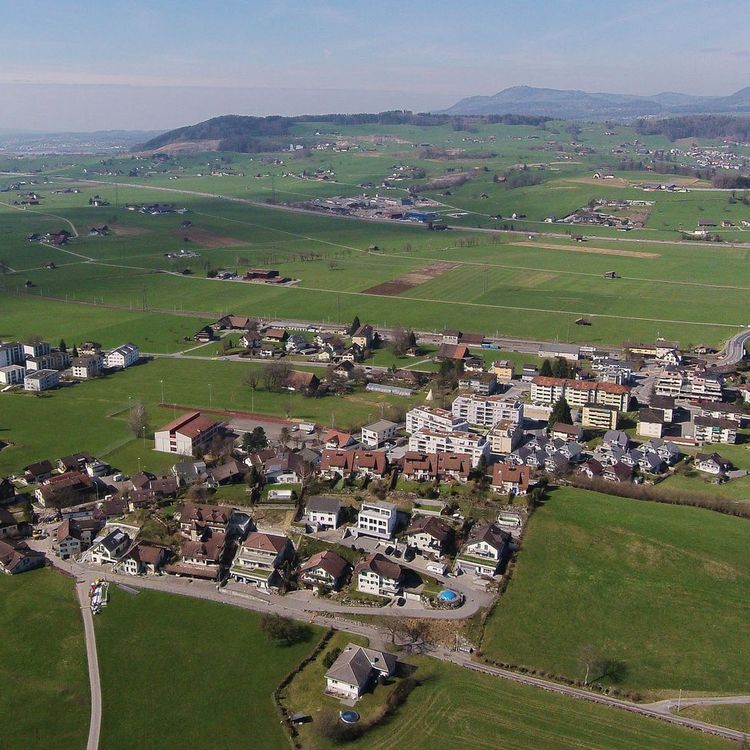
(432, 418)
(486, 410)
(442, 441)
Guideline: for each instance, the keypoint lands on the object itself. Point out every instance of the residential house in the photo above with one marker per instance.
(337, 439)
(359, 463)
(457, 352)
(377, 518)
(187, 435)
(18, 558)
(324, 570)
(302, 382)
(85, 368)
(122, 357)
(227, 473)
(363, 336)
(250, 339)
(418, 466)
(566, 432)
(432, 418)
(429, 535)
(616, 439)
(503, 370)
(665, 404)
(355, 669)
(710, 430)
(378, 575)
(650, 422)
(485, 410)
(377, 433)
(484, 550)
(259, 557)
(440, 441)
(199, 559)
(323, 512)
(74, 535)
(275, 335)
(618, 472)
(64, 489)
(591, 469)
(280, 466)
(38, 472)
(144, 559)
(9, 526)
(41, 380)
(12, 375)
(510, 479)
(111, 547)
(504, 437)
(199, 521)
(599, 416)
(712, 463)
(481, 383)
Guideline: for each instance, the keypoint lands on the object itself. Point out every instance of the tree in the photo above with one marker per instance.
(560, 413)
(255, 440)
(354, 326)
(284, 435)
(63, 347)
(138, 420)
(283, 629)
(588, 656)
(330, 657)
(561, 368)
(275, 375)
(75, 351)
(546, 369)
(251, 378)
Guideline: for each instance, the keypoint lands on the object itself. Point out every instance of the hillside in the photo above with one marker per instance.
(583, 105)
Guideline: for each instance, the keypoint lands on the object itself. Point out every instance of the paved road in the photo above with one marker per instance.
(734, 349)
(379, 637)
(82, 590)
(668, 706)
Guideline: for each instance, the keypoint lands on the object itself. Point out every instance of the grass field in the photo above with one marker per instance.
(45, 699)
(457, 708)
(35, 422)
(736, 717)
(179, 672)
(658, 588)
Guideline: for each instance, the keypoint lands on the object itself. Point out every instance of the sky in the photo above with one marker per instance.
(160, 64)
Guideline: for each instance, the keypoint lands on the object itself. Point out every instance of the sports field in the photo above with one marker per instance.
(656, 590)
(180, 672)
(45, 698)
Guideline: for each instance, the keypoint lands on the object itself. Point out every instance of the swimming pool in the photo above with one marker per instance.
(448, 596)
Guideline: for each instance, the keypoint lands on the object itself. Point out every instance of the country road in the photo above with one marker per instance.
(379, 637)
(734, 349)
(82, 590)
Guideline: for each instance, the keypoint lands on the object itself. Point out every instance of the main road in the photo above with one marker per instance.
(83, 584)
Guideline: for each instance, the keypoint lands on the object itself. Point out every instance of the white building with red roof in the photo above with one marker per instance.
(186, 435)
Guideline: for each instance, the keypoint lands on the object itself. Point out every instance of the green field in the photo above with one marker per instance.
(658, 589)
(500, 283)
(454, 707)
(180, 672)
(103, 404)
(45, 698)
(737, 717)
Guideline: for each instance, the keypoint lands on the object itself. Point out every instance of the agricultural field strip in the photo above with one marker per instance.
(43, 213)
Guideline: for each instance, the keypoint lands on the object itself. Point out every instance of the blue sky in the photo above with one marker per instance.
(159, 64)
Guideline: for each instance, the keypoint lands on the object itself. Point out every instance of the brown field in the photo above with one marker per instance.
(122, 231)
(209, 239)
(581, 248)
(410, 280)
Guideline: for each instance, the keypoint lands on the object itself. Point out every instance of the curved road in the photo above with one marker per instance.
(82, 590)
(734, 349)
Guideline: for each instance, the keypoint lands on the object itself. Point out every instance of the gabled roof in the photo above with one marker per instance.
(381, 565)
(432, 526)
(323, 504)
(266, 542)
(330, 561)
(491, 534)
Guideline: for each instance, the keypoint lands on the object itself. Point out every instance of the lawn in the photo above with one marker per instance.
(44, 669)
(180, 672)
(454, 707)
(660, 590)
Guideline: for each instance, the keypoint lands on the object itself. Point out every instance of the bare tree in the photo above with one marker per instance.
(138, 420)
(251, 378)
(275, 375)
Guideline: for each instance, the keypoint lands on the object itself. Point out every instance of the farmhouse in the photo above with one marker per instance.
(18, 558)
(64, 489)
(363, 336)
(187, 435)
(302, 382)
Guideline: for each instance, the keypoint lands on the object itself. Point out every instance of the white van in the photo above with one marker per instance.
(437, 568)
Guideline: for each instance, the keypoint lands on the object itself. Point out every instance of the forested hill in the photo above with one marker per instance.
(698, 126)
(253, 134)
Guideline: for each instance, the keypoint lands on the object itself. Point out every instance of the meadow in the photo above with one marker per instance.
(453, 707)
(92, 416)
(180, 672)
(46, 696)
(656, 590)
(502, 283)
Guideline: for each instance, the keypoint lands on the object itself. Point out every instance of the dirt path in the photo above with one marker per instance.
(82, 591)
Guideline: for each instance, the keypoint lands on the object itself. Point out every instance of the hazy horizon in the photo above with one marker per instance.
(156, 68)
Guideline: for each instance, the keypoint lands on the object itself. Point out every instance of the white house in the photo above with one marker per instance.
(377, 433)
(121, 357)
(110, 548)
(355, 668)
(484, 550)
(323, 570)
(378, 575)
(429, 535)
(323, 512)
(258, 558)
(41, 380)
(377, 519)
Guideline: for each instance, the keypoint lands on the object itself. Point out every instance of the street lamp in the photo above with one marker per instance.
(162, 391)
(139, 464)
